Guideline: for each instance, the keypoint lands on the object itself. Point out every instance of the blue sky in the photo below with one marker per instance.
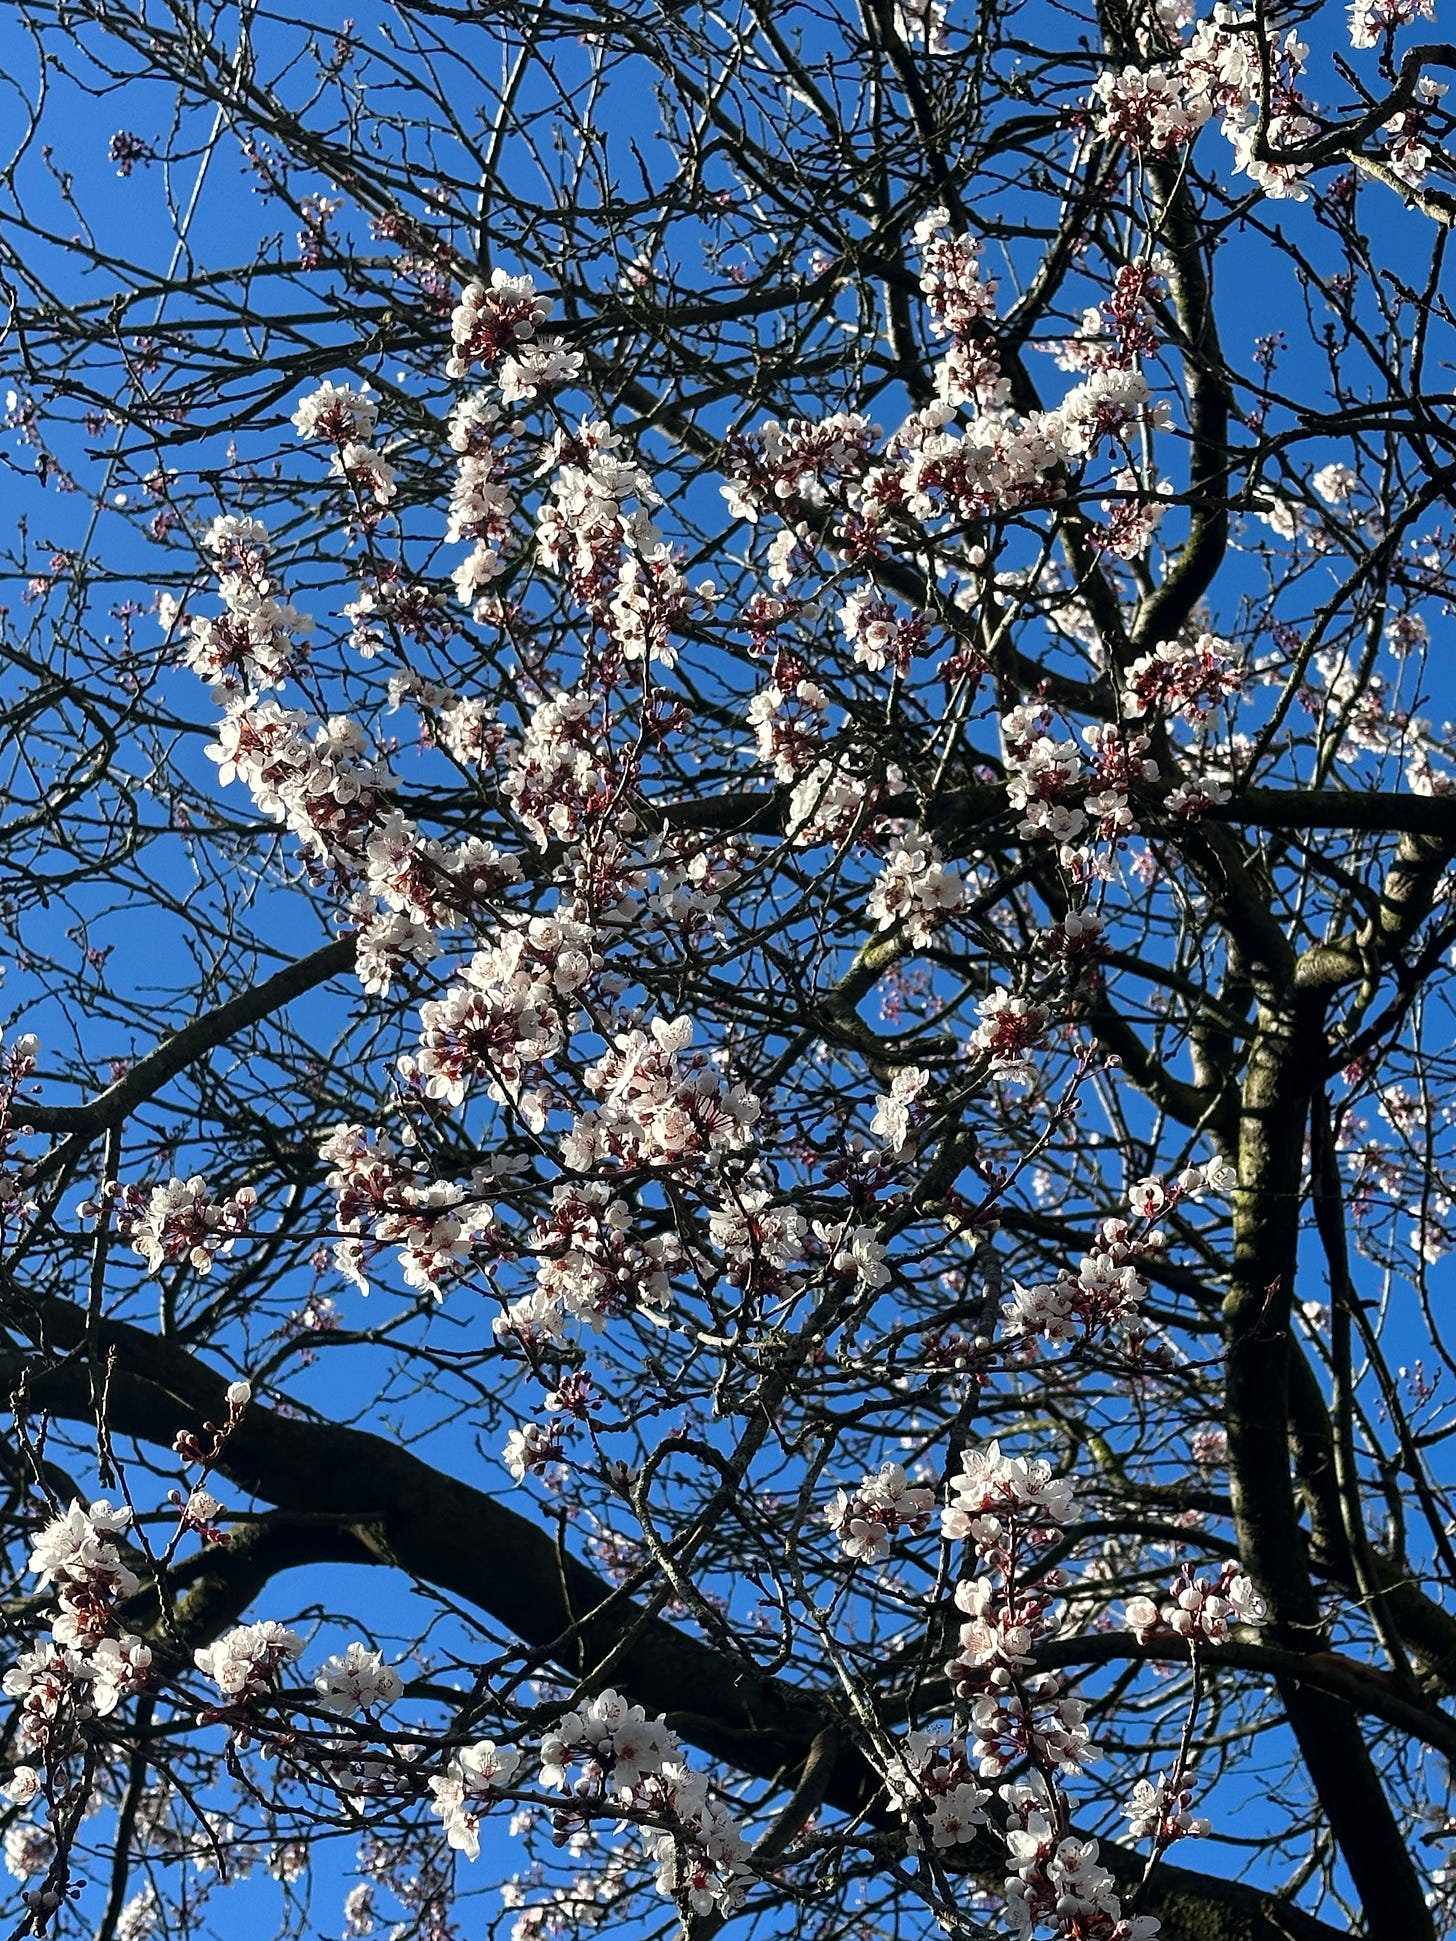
(226, 217)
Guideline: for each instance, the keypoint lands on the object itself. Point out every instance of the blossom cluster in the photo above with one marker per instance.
(868, 1519)
(611, 1753)
(507, 1015)
(855, 1250)
(917, 889)
(658, 1104)
(788, 719)
(1373, 21)
(182, 1220)
(879, 633)
(535, 1449)
(1158, 110)
(1002, 463)
(1010, 1028)
(838, 478)
(1160, 1810)
(1009, 1510)
(834, 801)
(1059, 1881)
(1186, 678)
(495, 324)
(594, 526)
(1066, 800)
(346, 419)
(1133, 517)
(898, 1112)
(1375, 721)
(356, 1680)
(383, 1198)
(87, 1666)
(246, 1661)
(493, 320)
(85, 1670)
(612, 556)
(80, 1671)
(400, 888)
(482, 502)
(794, 469)
(760, 1242)
(961, 301)
(473, 1780)
(1197, 1610)
(1078, 802)
(390, 609)
(617, 1753)
(1122, 330)
(607, 1752)
(932, 1782)
(591, 1266)
(257, 641)
(1105, 1291)
(1409, 136)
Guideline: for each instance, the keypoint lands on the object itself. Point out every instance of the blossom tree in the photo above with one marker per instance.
(726, 1117)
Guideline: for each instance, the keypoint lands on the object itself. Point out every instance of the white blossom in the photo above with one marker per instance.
(246, 1660)
(474, 1778)
(357, 1680)
(868, 1519)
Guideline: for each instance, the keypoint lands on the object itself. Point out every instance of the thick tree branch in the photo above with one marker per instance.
(195, 1040)
(1285, 1064)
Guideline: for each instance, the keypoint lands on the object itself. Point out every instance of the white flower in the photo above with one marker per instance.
(538, 367)
(78, 1548)
(1372, 20)
(1010, 1028)
(1335, 483)
(868, 1519)
(916, 888)
(1147, 1198)
(22, 1786)
(1247, 1604)
(531, 1451)
(616, 1743)
(476, 1775)
(29, 1850)
(244, 1662)
(368, 471)
(1199, 1611)
(357, 1681)
(989, 1481)
(893, 1120)
(855, 1250)
(1157, 1812)
(336, 412)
